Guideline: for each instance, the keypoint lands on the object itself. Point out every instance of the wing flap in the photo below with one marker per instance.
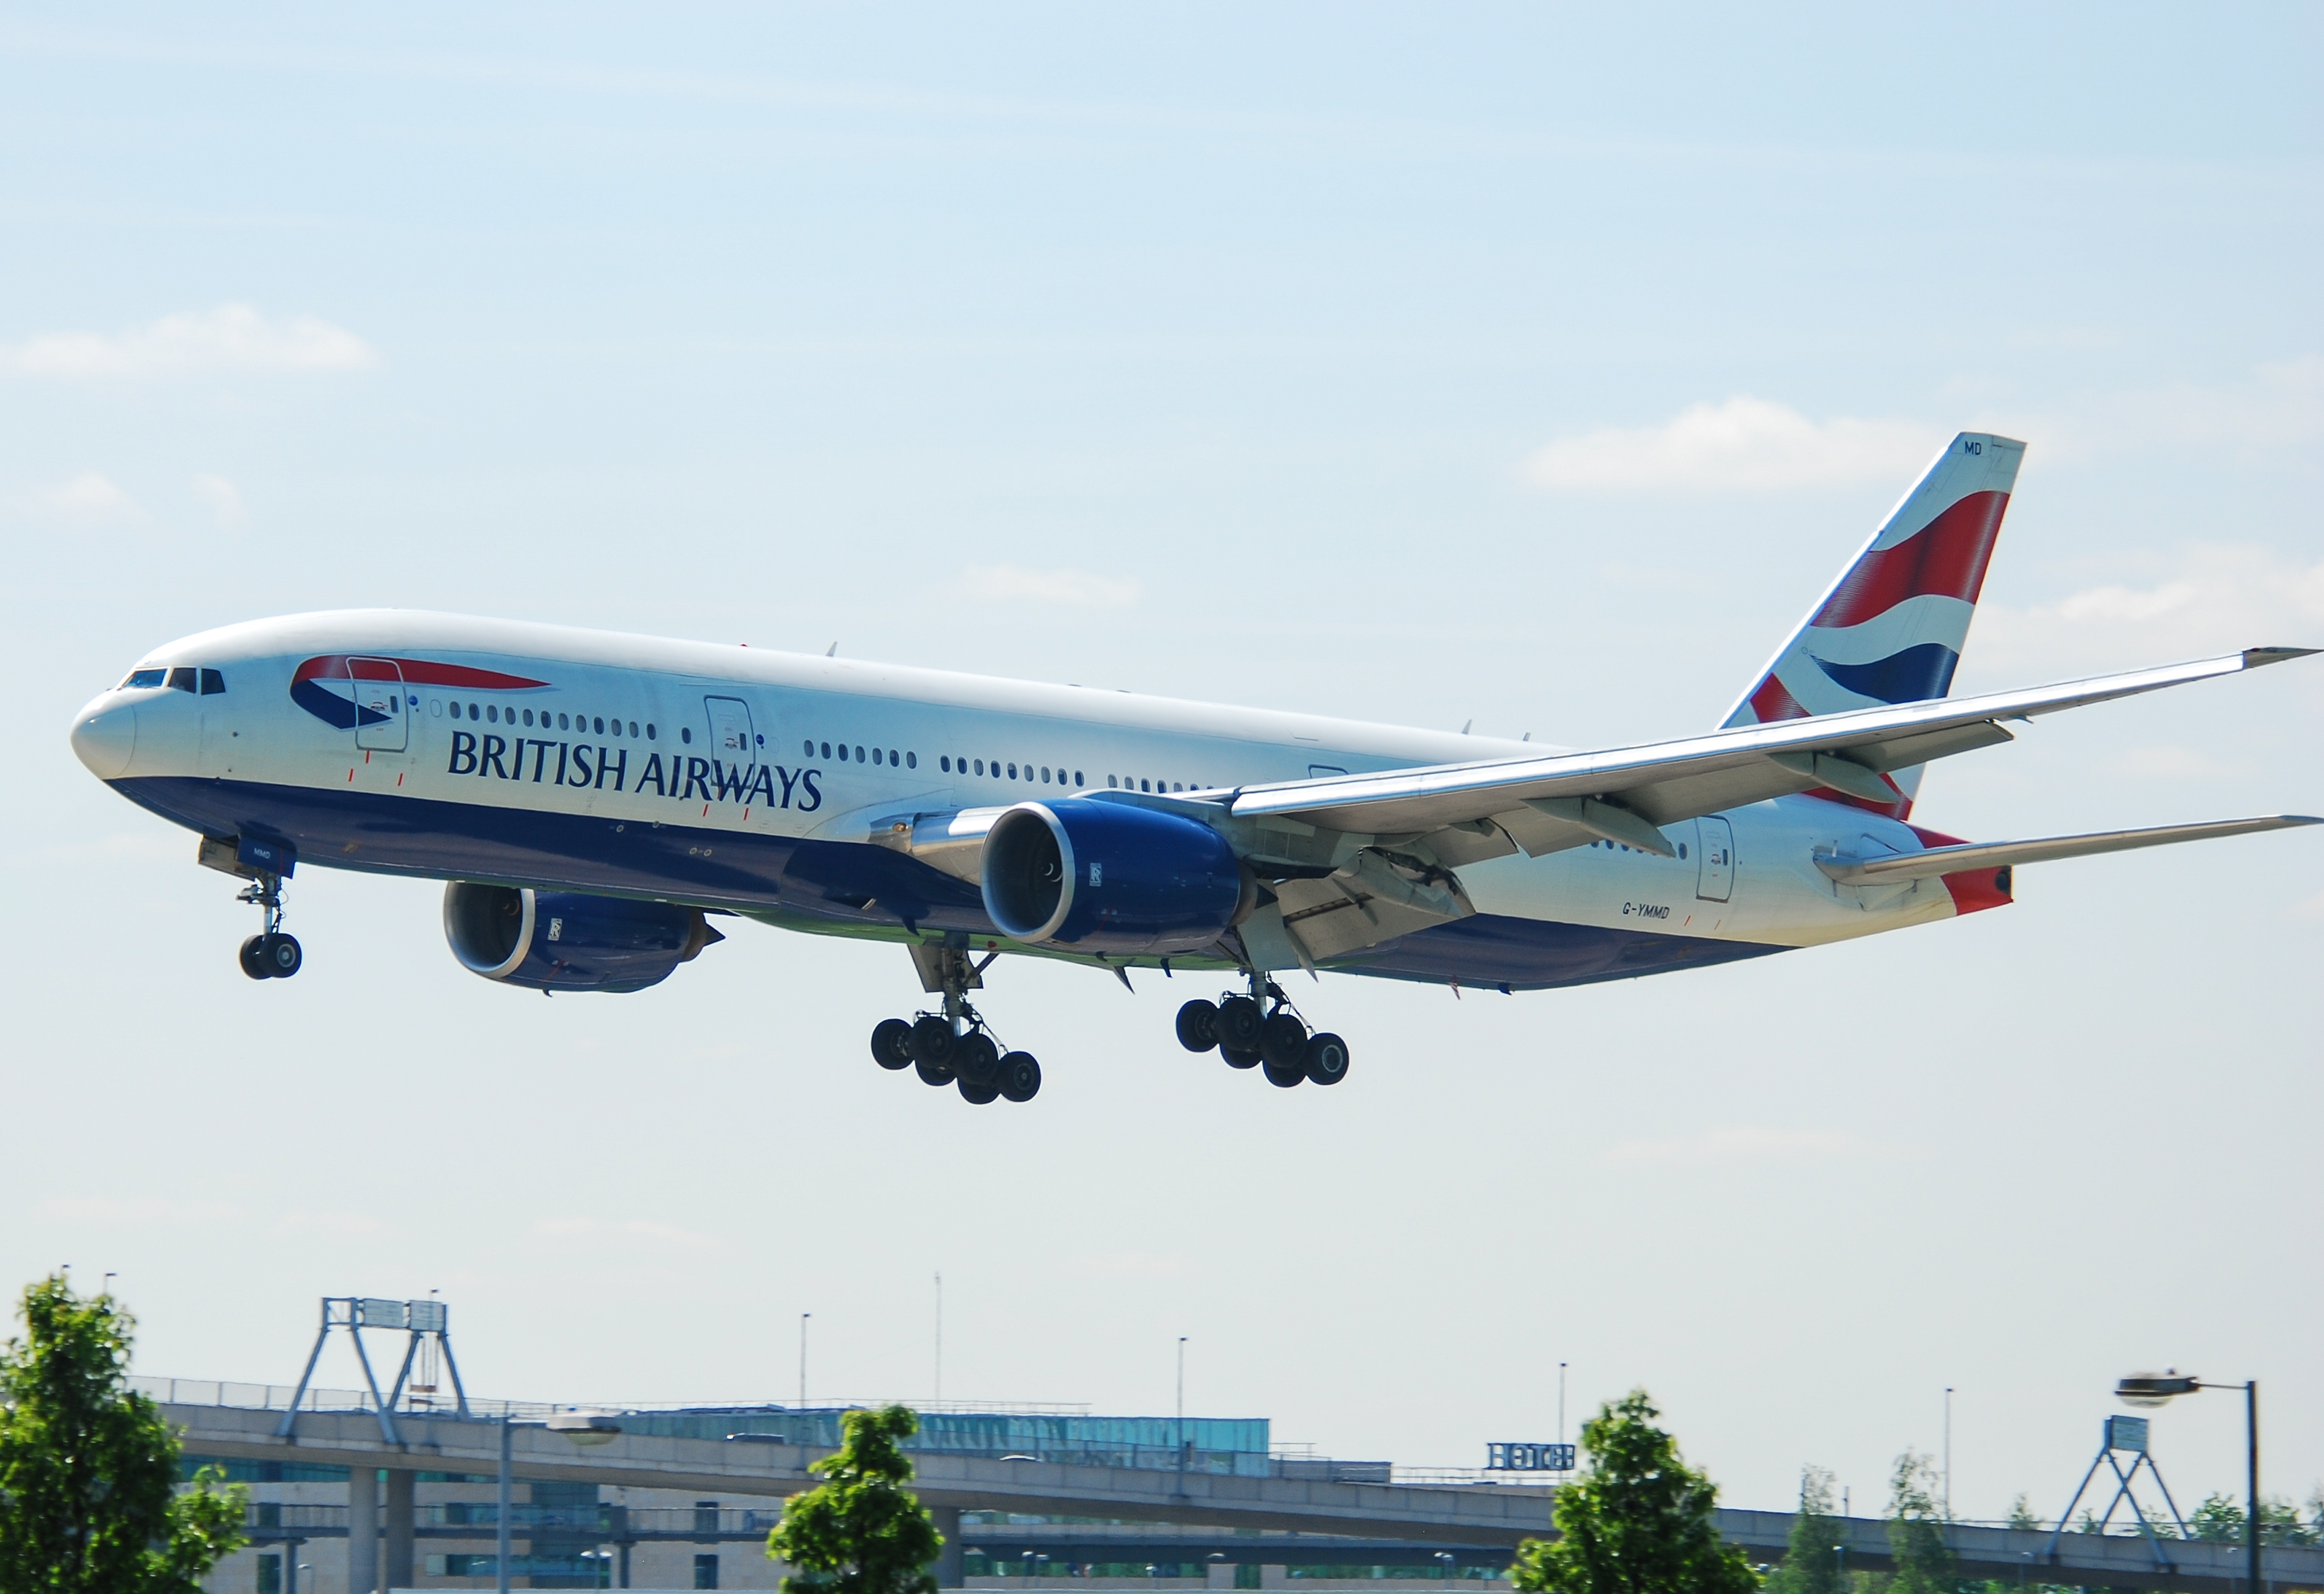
(1899, 868)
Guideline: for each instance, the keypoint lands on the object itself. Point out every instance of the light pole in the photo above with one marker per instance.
(2150, 1389)
(1949, 1452)
(803, 1317)
(1178, 1429)
(581, 1428)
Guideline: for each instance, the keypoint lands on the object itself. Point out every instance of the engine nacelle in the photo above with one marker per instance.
(565, 941)
(1111, 877)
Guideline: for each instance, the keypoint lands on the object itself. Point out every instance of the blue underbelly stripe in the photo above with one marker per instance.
(843, 882)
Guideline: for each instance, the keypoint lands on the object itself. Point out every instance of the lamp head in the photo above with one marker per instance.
(585, 1427)
(2152, 1389)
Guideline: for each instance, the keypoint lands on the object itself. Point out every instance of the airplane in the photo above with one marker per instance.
(592, 799)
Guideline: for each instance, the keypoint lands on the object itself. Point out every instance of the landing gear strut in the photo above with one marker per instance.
(271, 954)
(956, 1046)
(1262, 1030)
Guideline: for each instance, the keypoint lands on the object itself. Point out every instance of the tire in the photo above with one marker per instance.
(252, 963)
(982, 1094)
(977, 1061)
(891, 1044)
(1019, 1078)
(1327, 1058)
(282, 955)
(1282, 1042)
(1283, 1078)
(1198, 1025)
(934, 1074)
(1237, 1059)
(934, 1044)
(1240, 1023)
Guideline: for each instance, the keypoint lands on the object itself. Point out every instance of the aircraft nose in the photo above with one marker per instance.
(104, 738)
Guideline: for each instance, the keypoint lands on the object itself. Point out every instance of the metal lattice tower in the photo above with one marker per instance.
(423, 1321)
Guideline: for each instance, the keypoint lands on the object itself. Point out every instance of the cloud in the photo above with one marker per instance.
(231, 338)
(1008, 582)
(1736, 1143)
(334, 1225)
(90, 500)
(633, 1229)
(1133, 1265)
(222, 497)
(2203, 599)
(1745, 445)
(146, 1212)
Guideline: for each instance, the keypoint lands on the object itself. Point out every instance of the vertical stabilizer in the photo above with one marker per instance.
(1891, 629)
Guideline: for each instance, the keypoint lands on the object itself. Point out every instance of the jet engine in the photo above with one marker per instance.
(1098, 876)
(565, 941)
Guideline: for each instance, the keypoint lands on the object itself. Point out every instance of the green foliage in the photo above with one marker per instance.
(87, 1469)
(1638, 1522)
(2221, 1519)
(861, 1531)
(1812, 1562)
(2021, 1514)
(1916, 1529)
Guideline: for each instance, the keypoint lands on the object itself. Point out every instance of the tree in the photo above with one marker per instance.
(1638, 1522)
(2219, 1519)
(1916, 1529)
(1813, 1563)
(88, 1502)
(861, 1531)
(2021, 1514)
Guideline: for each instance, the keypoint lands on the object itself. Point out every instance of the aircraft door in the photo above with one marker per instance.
(1714, 847)
(731, 735)
(381, 710)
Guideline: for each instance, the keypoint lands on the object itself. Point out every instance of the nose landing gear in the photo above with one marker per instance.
(271, 954)
(954, 1048)
(1250, 1034)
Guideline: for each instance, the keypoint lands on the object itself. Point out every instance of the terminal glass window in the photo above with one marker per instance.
(705, 1571)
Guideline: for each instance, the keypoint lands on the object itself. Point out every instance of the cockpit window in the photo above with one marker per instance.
(213, 683)
(181, 680)
(145, 677)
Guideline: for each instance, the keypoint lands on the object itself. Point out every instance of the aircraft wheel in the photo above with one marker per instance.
(1241, 1024)
(1198, 1025)
(891, 1044)
(1284, 1078)
(253, 963)
(1236, 1059)
(934, 1043)
(1020, 1077)
(282, 955)
(1282, 1042)
(1327, 1059)
(983, 1093)
(976, 1060)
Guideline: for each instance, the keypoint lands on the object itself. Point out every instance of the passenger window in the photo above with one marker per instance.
(493, 713)
(213, 683)
(892, 757)
(145, 677)
(842, 752)
(980, 766)
(875, 755)
(827, 749)
(858, 755)
(1012, 771)
(946, 762)
(1077, 778)
(601, 727)
(810, 751)
(649, 732)
(1145, 786)
(633, 727)
(181, 680)
(911, 761)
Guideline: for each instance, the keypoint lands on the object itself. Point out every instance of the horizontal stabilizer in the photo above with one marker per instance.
(1941, 860)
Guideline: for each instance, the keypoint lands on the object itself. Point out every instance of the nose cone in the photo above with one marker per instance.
(104, 736)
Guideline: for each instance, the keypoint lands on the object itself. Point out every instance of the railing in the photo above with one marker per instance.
(275, 1397)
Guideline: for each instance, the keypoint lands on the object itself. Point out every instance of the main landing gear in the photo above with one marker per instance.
(271, 954)
(956, 1046)
(1262, 1031)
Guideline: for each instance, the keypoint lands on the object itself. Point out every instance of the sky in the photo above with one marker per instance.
(1529, 365)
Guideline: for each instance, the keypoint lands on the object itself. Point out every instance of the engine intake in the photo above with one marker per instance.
(565, 941)
(1111, 877)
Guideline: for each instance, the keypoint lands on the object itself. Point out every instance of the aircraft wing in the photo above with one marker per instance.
(1941, 860)
(1626, 793)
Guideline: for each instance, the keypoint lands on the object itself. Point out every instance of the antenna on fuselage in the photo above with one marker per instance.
(831, 651)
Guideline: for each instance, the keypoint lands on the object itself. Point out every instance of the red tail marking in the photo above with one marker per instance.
(1945, 557)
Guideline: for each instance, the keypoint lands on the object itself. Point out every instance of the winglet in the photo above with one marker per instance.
(2253, 658)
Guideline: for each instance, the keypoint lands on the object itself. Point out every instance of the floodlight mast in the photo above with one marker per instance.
(2152, 1389)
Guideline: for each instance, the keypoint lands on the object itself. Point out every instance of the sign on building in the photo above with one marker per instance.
(1509, 1456)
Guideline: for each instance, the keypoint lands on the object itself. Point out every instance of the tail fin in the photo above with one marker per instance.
(1891, 628)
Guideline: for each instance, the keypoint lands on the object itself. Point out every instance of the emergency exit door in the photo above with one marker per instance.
(381, 710)
(1714, 850)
